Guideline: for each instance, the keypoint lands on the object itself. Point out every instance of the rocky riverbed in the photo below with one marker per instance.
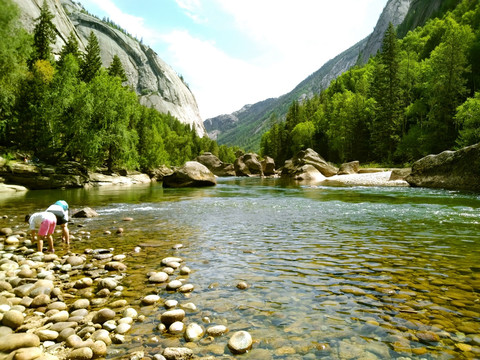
(71, 305)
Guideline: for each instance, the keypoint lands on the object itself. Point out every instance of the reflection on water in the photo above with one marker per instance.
(334, 273)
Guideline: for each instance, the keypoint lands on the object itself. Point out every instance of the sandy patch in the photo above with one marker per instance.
(368, 179)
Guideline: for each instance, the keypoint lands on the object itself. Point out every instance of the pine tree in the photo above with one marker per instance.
(70, 47)
(387, 123)
(44, 34)
(92, 61)
(116, 69)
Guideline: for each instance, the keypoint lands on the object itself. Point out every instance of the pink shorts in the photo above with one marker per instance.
(47, 227)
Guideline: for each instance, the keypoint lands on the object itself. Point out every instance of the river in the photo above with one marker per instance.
(332, 272)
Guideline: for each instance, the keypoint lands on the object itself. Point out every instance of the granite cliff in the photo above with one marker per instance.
(246, 126)
(155, 82)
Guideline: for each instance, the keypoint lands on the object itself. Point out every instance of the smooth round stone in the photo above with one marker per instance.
(174, 285)
(28, 353)
(12, 342)
(240, 342)
(60, 316)
(123, 328)
(103, 315)
(126, 320)
(186, 288)
(189, 306)
(185, 270)
(47, 335)
(130, 312)
(65, 334)
(57, 305)
(118, 339)
(103, 293)
(167, 260)
(150, 299)
(102, 335)
(171, 316)
(217, 330)
(178, 353)
(115, 266)
(86, 331)
(194, 332)
(81, 304)
(158, 277)
(176, 328)
(168, 270)
(99, 349)
(79, 312)
(242, 285)
(4, 308)
(12, 240)
(173, 264)
(83, 283)
(119, 257)
(109, 325)
(177, 246)
(63, 325)
(84, 353)
(5, 286)
(108, 283)
(75, 260)
(13, 319)
(169, 304)
(119, 304)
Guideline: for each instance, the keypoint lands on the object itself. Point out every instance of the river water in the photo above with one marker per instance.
(333, 272)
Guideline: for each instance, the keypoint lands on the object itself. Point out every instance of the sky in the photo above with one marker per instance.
(237, 52)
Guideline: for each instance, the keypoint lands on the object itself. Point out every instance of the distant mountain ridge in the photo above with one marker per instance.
(245, 127)
(156, 83)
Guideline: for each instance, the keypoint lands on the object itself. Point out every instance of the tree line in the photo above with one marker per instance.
(73, 108)
(418, 95)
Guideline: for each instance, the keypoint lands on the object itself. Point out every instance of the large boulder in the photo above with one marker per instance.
(295, 168)
(248, 165)
(349, 168)
(215, 165)
(453, 170)
(268, 166)
(192, 174)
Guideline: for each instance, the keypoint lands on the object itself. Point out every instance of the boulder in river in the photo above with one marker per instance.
(453, 170)
(192, 174)
(296, 169)
(215, 165)
(248, 165)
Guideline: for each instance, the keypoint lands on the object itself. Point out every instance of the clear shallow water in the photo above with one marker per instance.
(334, 272)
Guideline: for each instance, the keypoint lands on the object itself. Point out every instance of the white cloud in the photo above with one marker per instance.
(135, 25)
(193, 9)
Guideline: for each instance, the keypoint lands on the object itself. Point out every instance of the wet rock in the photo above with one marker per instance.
(107, 283)
(99, 349)
(192, 174)
(83, 283)
(81, 304)
(60, 326)
(150, 299)
(427, 336)
(176, 328)
(5, 286)
(45, 334)
(170, 316)
(242, 285)
(85, 213)
(40, 300)
(186, 288)
(75, 260)
(103, 315)
(169, 304)
(194, 332)
(84, 353)
(176, 353)
(6, 231)
(130, 312)
(60, 316)
(123, 328)
(240, 342)
(65, 334)
(158, 277)
(167, 260)
(102, 335)
(12, 240)
(115, 266)
(217, 330)
(185, 270)
(174, 285)
(13, 319)
(27, 353)
(13, 342)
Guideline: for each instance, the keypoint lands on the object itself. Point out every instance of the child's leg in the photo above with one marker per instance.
(40, 243)
(50, 243)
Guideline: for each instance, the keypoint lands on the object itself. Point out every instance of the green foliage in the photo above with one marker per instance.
(14, 49)
(92, 61)
(43, 34)
(78, 110)
(116, 69)
(408, 101)
(468, 119)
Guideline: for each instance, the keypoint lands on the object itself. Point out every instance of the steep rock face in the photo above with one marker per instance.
(156, 82)
(394, 12)
(231, 132)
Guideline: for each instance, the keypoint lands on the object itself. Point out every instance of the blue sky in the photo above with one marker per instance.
(238, 52)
